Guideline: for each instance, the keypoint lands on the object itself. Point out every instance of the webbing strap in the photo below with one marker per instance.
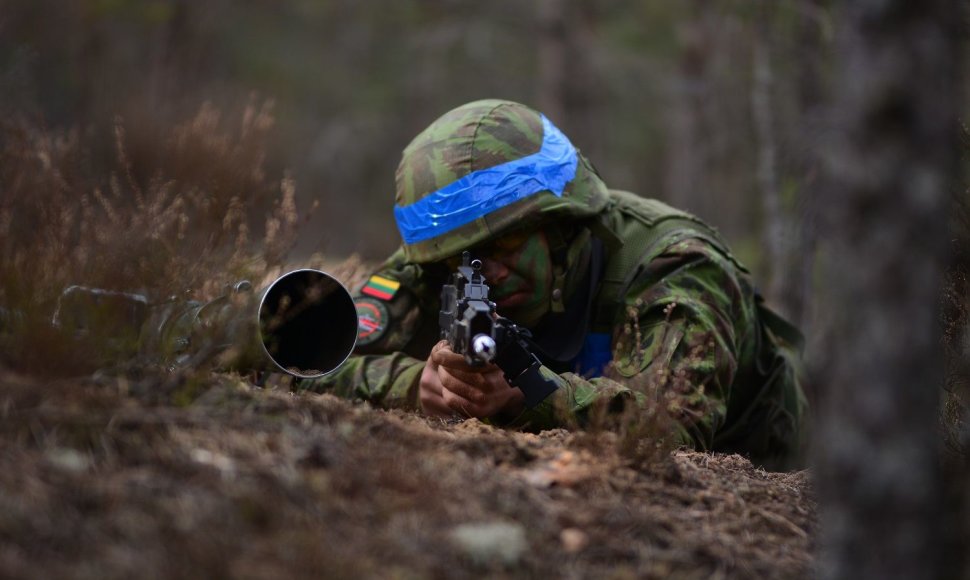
(780, 327)
(616, 282)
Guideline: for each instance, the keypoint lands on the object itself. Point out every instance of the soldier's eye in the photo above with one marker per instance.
(493, 250)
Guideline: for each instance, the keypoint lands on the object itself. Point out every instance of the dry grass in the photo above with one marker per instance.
(653, 429)
(180, 217)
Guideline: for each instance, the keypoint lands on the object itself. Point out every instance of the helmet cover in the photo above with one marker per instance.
(484, 168)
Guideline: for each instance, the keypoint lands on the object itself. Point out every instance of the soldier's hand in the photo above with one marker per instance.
(450, 386)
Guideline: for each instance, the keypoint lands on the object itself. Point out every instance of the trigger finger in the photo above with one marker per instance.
(447, 357)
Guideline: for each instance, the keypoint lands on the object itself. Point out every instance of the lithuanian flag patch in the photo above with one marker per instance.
(380, 287)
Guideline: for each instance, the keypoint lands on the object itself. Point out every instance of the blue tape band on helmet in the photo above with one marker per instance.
(481, 192)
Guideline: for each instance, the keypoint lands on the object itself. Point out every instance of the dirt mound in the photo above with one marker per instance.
(169, 475)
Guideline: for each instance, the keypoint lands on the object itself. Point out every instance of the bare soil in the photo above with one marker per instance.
(167, 475)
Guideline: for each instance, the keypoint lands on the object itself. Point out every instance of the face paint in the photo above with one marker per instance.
(518, 269)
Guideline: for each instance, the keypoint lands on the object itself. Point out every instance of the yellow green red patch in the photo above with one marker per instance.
(380, 287)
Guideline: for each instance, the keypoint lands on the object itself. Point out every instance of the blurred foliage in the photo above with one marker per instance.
(354, 81)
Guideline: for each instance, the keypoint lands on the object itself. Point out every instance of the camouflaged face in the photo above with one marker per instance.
(477, 136)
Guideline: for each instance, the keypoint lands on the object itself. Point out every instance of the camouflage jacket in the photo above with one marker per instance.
(672, 312)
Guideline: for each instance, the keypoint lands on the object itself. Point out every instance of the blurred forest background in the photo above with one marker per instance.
(146, 144)
(710, 106)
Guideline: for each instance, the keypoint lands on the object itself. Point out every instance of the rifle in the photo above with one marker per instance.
(472, 328)
(304, 324)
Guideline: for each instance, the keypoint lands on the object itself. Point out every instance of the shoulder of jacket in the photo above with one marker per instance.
(647, 210)
(645, 227)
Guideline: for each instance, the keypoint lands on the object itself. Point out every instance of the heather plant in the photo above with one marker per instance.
(171, 215)
(649, 431)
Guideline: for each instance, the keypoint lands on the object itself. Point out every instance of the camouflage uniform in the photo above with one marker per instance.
(667, 315)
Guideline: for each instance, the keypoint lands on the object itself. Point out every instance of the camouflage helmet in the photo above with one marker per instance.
(485, 168)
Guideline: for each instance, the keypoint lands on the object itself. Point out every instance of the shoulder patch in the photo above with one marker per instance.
(372, 318)
(380, 287)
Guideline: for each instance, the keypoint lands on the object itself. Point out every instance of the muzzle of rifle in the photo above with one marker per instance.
(307, 323)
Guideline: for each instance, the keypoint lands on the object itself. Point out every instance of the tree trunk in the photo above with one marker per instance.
(688, 152)
(776, 230)
(892, 160)
(812, 43)
(551, 17)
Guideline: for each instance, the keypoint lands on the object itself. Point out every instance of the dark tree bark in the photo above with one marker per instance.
(893, 159)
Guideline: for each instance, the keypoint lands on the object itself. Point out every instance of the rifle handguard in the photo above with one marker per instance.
(521, 369)
(469, 324)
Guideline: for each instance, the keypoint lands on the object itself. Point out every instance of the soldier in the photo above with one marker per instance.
(622, 295)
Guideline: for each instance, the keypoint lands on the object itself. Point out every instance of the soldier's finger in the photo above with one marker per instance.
(467, 390)
(429, 392)
(441, 353)
(446, 357)
(441, 344)
(432, 401)
(473, 378)
(429, 379)
(494, 377)
(460, 404)
(435, 406)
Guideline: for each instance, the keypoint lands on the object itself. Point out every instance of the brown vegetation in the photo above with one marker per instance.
(168, 219)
